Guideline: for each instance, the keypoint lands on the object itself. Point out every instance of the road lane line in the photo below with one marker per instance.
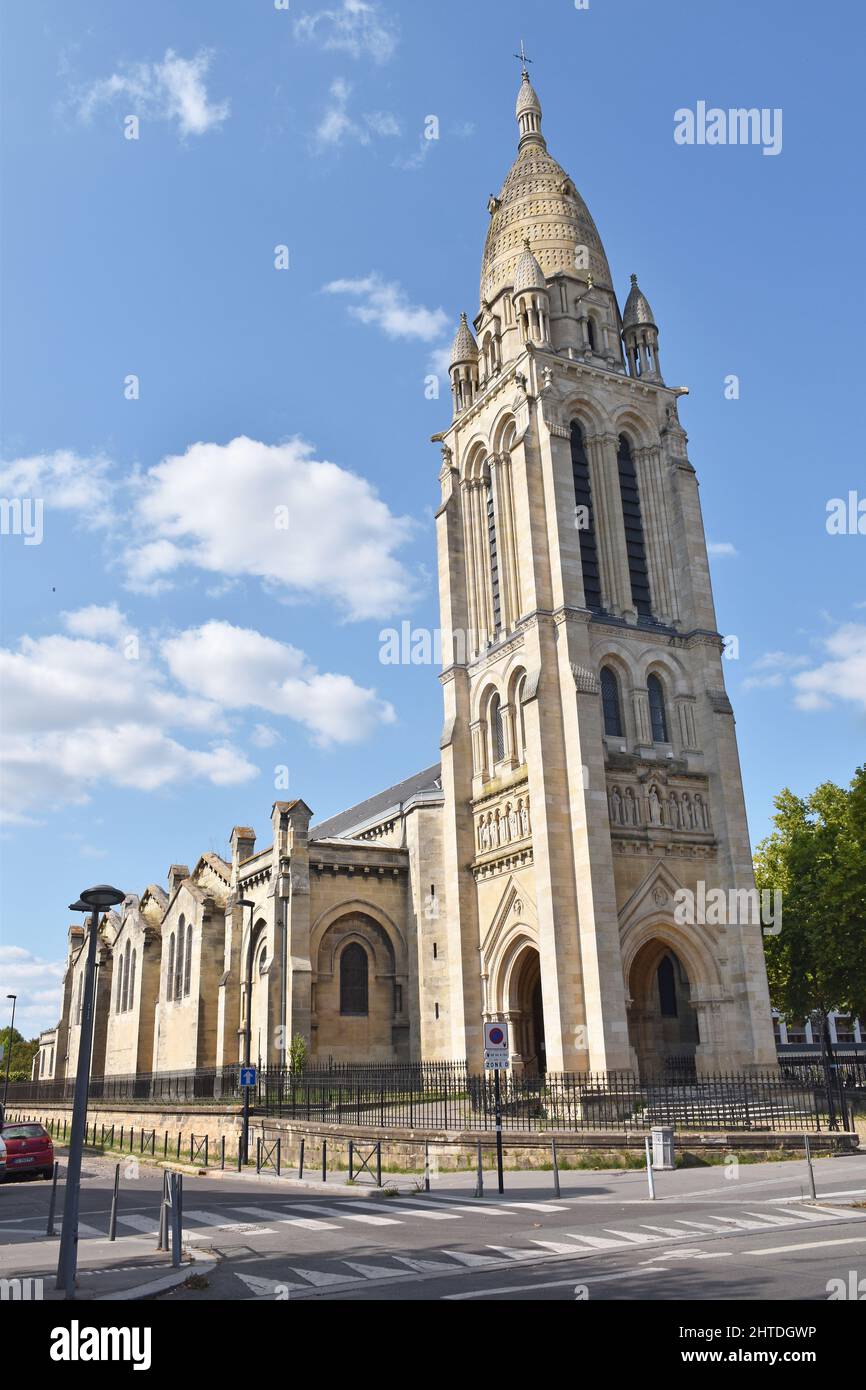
(805, 1245)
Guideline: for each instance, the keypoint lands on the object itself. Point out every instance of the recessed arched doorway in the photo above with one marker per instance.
(525, 1013)
(662, 1022)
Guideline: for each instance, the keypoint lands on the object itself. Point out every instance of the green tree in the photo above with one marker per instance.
(816, 855)
(23, 1053)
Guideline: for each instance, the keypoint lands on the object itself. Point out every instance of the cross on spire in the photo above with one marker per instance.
(523, 59)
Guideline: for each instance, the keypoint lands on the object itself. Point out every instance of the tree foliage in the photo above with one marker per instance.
(816, 855)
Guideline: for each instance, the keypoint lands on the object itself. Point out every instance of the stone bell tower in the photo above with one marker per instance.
(589, 760)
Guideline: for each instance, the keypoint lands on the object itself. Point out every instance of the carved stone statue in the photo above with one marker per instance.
(524, 818)
(630, 807)
(616, 806)
(674, 811)
(655, 807)
(512, 822)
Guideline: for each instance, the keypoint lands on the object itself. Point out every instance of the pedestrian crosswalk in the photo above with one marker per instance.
(359, 1214)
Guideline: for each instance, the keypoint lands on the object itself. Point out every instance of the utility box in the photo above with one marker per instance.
(663, 1148)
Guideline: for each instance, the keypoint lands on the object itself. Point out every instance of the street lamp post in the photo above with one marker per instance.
(13, 997)
(248, 1029)
(94, 901)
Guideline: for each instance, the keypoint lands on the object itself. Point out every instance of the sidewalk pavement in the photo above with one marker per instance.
(127, 1268)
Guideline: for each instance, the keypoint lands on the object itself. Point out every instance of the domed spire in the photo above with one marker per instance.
(538, 199)
(528, 274)
(464, 348)
(637, 311)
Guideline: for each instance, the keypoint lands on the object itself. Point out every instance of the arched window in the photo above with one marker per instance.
(590, 334)
(132, 982)
(610, 702)
(80, 1003)
(119, 1001)
(169, 978)
(263, 959)
(497, 732)
(187, 969)
(178, 964)
(494, 560)
(125, 998)
(658, 715)
(353, 981)
(634, 537)
(584, 518)
(667, 988)
(520, 718)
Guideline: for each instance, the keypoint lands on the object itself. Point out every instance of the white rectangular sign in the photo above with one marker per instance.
(495, 1046)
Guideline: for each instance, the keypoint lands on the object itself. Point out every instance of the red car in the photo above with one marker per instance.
(29, 1149)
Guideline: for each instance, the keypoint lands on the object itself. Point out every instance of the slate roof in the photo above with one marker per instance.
(365, 812)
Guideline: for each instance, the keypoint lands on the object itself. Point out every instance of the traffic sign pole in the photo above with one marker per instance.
(497, 1112)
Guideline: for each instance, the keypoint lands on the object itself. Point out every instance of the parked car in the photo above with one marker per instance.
(29, 1148)
(2, 1158)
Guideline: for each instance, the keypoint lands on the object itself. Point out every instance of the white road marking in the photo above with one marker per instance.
(322, 1280)
(139, 1223)
(538, 1206)
(308, 1223)
(471, 1260)
(551, 1284)
(597, 1242)
(373, 1271)
(424, 1215)
(273, 1288)
(636, 1237)
(665, 1231)
(738, 1222)
(698, 1225)
(558, 1247)
(217, 1222)
(353, 1216)
(806, 1245)
(771, 1220)
(514, 1253)
(424, 1266)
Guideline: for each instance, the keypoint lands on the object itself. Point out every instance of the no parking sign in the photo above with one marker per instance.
(495, 1046)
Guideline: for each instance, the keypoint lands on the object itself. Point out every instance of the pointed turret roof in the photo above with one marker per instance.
(637, 310)
(464, 347)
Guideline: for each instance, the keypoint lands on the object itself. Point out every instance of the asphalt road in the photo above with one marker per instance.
(740, 1233)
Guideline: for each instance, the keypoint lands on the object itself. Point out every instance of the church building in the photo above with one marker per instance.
(588, 769)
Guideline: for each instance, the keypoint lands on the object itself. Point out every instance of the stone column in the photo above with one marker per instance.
(609, 527)
(472, 604)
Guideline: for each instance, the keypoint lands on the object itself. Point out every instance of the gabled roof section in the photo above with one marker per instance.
(366, 812)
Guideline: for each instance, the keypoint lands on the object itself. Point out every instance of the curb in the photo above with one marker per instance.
(167, 1281)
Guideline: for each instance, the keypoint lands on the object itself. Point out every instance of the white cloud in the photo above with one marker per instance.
(263, 736)
(96, 621)
(37, 983)
(238, 668)
(173, 90)
(841, 677)
(337, 126)
(357, 27)
(79, 716)
(721, 548)
(386, 304)
(65, 481)
(305, 526)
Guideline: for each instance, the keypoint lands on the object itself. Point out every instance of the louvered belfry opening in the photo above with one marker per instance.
(583, 499)
(634, 537)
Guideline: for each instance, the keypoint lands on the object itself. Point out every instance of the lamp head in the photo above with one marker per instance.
(102, 897)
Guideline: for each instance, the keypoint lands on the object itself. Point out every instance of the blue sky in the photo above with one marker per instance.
(167, 646)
